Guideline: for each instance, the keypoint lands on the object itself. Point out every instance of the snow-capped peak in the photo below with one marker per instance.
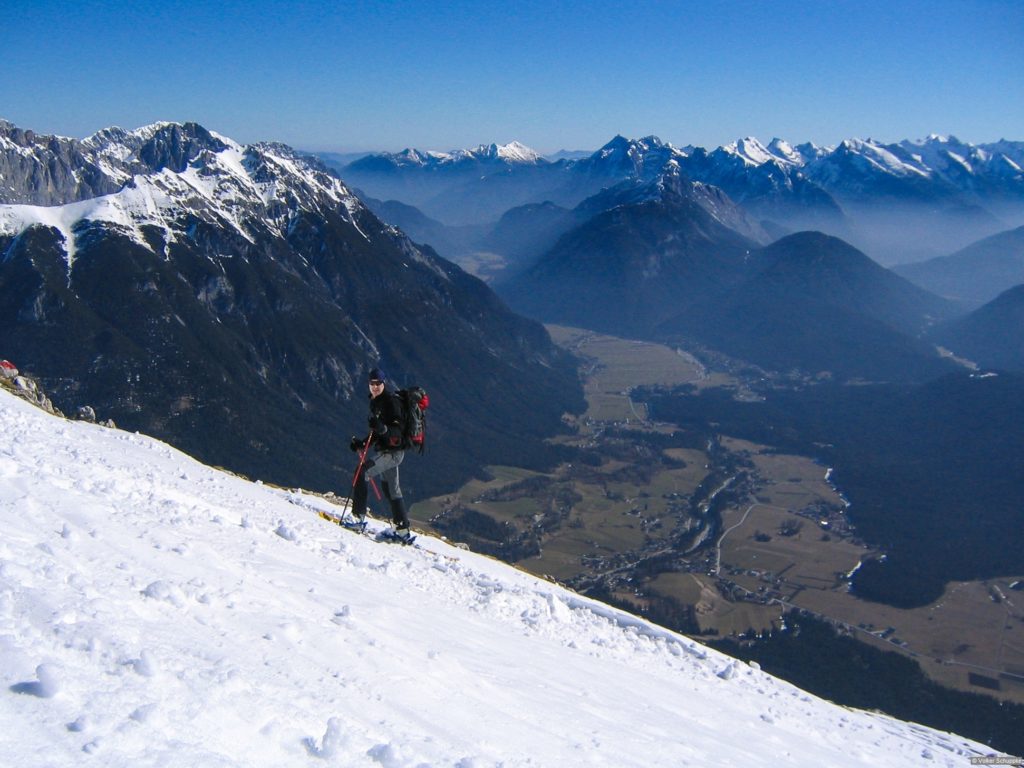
(755, 154)
(881, 157)
(513, 153)
(751, 151)
(516, 153)
(783, 150)
(413, 157)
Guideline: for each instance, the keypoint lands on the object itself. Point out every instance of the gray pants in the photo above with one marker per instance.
(385, 466)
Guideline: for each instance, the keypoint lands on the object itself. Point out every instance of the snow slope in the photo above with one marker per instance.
(157, 612)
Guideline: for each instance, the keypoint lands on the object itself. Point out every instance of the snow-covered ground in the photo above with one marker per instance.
(157, 612)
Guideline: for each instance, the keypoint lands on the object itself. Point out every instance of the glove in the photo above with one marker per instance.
(357, 444)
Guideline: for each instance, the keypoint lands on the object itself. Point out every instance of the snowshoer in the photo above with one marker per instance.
(385, 438)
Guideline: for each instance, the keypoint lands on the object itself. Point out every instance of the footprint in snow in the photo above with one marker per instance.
(46, 685)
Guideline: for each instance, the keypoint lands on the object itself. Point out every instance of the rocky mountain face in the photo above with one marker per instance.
(231, 299)
(29, 390)
(48, 170)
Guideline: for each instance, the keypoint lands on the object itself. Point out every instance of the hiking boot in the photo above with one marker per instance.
(403, 533)
(399, 517)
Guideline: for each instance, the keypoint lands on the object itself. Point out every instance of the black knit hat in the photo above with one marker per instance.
(376, 374)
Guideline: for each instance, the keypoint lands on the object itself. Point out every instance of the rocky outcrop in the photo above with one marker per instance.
(49, 170)
(29, 389)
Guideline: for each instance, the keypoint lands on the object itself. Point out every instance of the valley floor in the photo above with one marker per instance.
(718, 540)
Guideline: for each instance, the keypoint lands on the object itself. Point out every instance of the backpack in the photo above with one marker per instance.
(414, 402)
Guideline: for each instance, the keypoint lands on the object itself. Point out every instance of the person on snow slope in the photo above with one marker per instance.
(387, 443)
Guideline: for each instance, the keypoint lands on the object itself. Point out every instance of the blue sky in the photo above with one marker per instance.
(351, 76)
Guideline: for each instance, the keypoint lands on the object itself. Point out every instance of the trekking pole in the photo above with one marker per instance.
(362, 461)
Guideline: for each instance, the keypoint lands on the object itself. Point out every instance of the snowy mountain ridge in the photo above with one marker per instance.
(513, 153)
(755, 154)
(197, 174)
(157, 611)
(937, 156)
(110, 158)
(934, 157)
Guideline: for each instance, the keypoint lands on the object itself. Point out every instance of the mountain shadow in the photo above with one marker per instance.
(976, 274)
(814, 303)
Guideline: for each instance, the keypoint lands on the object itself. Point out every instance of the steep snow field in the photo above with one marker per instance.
(158, 612)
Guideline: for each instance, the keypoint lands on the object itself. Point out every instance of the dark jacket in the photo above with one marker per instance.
(386, 421)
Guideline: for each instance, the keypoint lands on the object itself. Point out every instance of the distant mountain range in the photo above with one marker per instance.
(899, 202)
(642, 238)
(648, 240)
(231, 299)
(987, 277)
